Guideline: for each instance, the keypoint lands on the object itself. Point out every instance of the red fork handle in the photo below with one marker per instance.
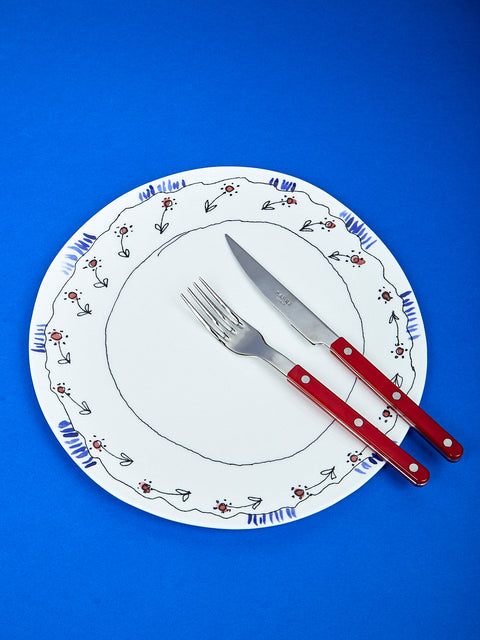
(399, 401)
(359, 426)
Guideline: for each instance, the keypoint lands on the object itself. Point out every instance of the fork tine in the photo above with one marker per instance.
(217, 331)
(229, 322)
(221, 302)
(212, 306)
(211, 310)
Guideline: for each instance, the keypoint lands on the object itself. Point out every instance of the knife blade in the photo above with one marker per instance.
(311, 327)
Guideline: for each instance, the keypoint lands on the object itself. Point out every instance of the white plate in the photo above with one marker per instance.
(162, 416)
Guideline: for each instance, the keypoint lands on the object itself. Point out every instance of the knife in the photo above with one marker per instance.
(317, 332)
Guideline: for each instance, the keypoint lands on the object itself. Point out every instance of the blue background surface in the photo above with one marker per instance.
(378, 104)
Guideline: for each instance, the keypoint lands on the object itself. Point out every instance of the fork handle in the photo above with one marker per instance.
(402, 461)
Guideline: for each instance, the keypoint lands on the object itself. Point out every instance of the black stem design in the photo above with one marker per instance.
(85, 311)
(395, 318)
(65, 359)
(83, 406)
(124, 253)
(178, 492)
(266, 206)
(100, 283)
(162, 227)
(328, 474)
(255, 503)
(308, 224)
(209, 206)
(125, 460)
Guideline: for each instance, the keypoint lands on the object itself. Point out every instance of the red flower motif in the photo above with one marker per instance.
(75, 296)
(97, 444)
(399, 352)
(354, 457)
(386, 296)
(386, 413)
(298, 492)
(357, 260)
(291, 201)
(123, 230)
(330, 225)
(223, 507)
(229, 189)
(58, 338)
(145, 487)
(61, 389)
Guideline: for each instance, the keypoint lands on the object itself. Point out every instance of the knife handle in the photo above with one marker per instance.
(359, 426)
(396, 399)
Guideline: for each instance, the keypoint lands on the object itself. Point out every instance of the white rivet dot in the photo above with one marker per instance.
(358, 422)
(396, 395)
(305, 379)
(413, 467)
(447, 442)
(347, 351)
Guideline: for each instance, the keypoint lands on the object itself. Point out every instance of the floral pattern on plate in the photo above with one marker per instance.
(154, 405)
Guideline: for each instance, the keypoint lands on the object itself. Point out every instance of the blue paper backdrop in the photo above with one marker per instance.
(375, 102)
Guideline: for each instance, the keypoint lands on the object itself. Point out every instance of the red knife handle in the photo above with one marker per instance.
(399, 401)
(359, 426)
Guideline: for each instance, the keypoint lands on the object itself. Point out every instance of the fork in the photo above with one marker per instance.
(240, 337)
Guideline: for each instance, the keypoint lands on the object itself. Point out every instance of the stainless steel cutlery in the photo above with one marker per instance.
(317, 332)
(242, 338)
(239, 336)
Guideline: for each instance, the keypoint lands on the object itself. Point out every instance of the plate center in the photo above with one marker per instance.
(231, 409)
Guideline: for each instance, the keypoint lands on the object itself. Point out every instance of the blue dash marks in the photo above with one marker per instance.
(38, 344)
(163, 187)
(354, 225)
(273, 517)
(285, 185)
(365, 465)
(411, 313)
(75, 444)
(78, 248)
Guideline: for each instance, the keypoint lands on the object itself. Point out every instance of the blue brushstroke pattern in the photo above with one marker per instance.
(79, 247)
(75, 444)
(285, 185)
(162, 187)
(39, 339)
(411, 313)
(273, 515)
(355, 226)
(366, 464)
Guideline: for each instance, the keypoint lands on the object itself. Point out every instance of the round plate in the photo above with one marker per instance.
(158, 412)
